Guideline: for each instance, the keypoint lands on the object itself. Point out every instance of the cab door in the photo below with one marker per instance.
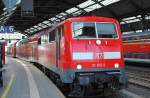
(58, 38)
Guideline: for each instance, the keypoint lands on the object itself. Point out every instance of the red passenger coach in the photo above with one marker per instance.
(84, 51)
(2, 50)
(137, 47)
(11, 49)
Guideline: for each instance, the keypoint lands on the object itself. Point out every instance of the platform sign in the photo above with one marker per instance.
(6, 29)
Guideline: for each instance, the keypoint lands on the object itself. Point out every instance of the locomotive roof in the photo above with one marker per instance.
(92, 18)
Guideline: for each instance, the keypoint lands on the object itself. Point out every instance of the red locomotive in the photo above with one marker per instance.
(137, 47)
(81, 52)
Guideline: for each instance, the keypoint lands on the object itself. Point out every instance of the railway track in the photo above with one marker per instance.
(139, 76)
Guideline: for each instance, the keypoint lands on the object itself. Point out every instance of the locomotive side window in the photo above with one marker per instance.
(44, 39)
(39, 41)
(52, 36)
(62, 31)
(84, 30)
(106, 30)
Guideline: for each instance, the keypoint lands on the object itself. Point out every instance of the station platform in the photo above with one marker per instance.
(23, 80)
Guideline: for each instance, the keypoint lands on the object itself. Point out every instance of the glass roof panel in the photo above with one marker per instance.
(72, 10)
(34, 30)
(123, 22)
(86, 3)
(46, 22)
(77, 13)
(49, 24)
(93, 7)
(63, 18)
(40, 24)
(35, 26)
(139, 16)
(59, 16)
(63, 13)
(129, 18)
(44, 26)
(130, 21)
(53, 18)
(107, 2)
(31, 28)
(39, 28)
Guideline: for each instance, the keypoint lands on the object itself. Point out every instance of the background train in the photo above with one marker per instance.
(82, 52)
(137, 47)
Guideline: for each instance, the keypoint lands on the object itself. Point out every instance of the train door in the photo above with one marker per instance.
(58, 38)
(33, 52)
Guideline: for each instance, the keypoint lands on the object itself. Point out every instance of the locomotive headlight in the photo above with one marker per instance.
(116, 65)
(98, 42)
(79, 66)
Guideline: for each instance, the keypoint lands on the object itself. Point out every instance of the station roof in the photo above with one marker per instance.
(49, 12)
(1, 7)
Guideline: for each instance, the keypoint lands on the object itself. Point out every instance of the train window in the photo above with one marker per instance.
(124, 39)
(44, 39)
(59, 32)
(39, 41)
(142, 55)
(129, 54)
(84, 30)
(148, 55)
(135, 38)
(129, 38)
(142, 38)
(135, 55)
(148, 38)
(106, 30)
(52, 36)
(62, 31)
(124, 54)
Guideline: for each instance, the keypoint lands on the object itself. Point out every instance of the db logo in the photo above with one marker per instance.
(99, 55)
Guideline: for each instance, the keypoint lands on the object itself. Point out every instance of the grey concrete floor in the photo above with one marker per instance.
(28, 81)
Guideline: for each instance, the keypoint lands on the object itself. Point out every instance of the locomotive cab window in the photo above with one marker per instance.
(84, 30)
(94, 30)
(106, 30)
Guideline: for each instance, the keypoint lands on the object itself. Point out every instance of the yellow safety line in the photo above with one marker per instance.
(8, 87)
